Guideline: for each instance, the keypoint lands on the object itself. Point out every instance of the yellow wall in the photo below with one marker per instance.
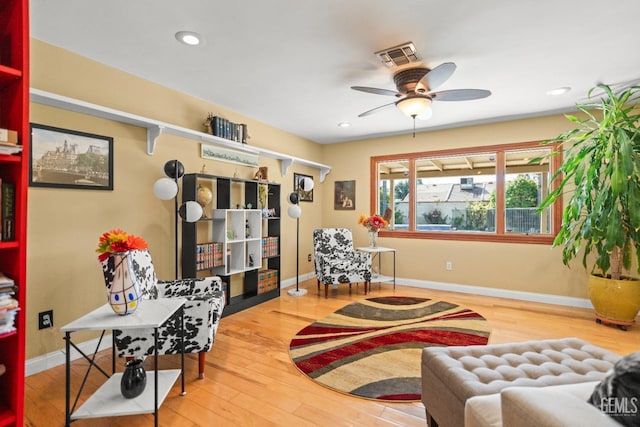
(518, 267)
(64, 225)
(63, 273)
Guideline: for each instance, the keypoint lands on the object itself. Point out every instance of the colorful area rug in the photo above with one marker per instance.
(372, 348)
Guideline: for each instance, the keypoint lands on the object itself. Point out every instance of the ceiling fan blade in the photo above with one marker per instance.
(459, 94)
(375, 110)
(438, 75)
(375, 90)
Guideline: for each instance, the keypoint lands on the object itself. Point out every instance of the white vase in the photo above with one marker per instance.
(124, 291)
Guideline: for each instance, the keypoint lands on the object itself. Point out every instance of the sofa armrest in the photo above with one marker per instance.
(189, 287)
(543, 406)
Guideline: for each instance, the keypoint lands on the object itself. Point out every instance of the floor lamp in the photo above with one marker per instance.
(295, 211)
(166, 189)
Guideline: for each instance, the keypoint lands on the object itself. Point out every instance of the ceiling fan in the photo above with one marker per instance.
(415, 91)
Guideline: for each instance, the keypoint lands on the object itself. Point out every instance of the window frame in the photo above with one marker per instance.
(500, 235)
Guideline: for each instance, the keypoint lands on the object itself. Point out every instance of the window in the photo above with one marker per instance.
(483, 193)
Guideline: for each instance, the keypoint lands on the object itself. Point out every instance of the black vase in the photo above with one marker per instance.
(134, 379)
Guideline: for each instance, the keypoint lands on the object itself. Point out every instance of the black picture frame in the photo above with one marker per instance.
(344, 195)
(305, 196)
(64, 158)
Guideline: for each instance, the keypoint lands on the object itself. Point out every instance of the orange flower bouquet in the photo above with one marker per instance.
(373, 223)
(118, 241)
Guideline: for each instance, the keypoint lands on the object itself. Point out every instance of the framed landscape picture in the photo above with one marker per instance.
(63, 158)
(344, 196)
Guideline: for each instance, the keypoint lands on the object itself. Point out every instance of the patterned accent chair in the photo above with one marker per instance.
(202, 313)
(336, 261)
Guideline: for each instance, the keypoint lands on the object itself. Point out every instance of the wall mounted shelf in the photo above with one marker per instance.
(156, 128)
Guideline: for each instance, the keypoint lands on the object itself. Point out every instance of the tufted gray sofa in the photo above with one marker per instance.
(452, 375)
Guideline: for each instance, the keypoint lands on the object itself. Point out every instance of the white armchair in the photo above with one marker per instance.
(336, 261)
(202, 313)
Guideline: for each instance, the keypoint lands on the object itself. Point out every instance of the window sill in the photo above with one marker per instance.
(470, 236)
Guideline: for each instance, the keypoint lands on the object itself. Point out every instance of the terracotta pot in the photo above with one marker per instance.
(615, 301)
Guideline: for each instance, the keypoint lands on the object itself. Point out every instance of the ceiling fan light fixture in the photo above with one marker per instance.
(413, 106)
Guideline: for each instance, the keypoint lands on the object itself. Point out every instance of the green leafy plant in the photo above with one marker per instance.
(522, 192)
(600, 169)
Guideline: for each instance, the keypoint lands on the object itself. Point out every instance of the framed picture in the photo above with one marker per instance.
(305, 196)
(213, 152)
(344, 196)
(63, 158)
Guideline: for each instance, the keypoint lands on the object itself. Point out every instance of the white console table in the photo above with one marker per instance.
(108, 400)
(377, 252)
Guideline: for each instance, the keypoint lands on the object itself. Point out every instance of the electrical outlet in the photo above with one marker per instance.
(449, 265)
(309, 257)
(45, 319)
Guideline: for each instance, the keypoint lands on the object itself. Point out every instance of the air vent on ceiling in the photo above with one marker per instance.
(398, 55)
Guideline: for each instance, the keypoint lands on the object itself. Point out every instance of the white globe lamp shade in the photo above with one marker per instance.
(165, 189)
(190, 211)
(294, 211)
(307, 184)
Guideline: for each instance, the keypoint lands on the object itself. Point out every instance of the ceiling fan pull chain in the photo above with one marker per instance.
(414, 126)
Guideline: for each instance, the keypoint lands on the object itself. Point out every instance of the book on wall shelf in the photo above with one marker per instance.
(228, 130)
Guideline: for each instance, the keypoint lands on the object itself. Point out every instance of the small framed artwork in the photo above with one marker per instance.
(211, 152)
(344, 198)
(63, 158)
(305, 196)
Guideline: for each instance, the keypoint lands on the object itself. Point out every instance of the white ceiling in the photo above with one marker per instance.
(290, 63)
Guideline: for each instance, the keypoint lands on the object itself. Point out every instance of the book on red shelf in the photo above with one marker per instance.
(7, 207)
(5, 280)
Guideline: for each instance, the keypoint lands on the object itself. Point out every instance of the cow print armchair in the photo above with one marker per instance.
(336, 261)
(202, 313)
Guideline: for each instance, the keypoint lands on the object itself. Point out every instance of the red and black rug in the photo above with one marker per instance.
(372, 348)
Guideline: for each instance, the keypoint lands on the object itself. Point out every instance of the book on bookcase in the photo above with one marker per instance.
(7, 210)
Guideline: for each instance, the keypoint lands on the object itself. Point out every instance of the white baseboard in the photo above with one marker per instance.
(292, 281)
(57, 358)
(477, 290)
(498, 293)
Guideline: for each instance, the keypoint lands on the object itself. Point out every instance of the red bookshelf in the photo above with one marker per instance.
(14, 115)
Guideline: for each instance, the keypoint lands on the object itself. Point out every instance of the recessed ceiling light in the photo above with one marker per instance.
(188, 37)
(344, 124)
(559, 91)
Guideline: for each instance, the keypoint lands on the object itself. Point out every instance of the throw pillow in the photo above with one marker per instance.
(618, 395)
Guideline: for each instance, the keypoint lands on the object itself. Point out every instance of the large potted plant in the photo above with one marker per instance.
(600, 173)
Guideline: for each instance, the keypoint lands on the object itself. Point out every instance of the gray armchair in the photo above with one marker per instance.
(336, 261)
(202, 313)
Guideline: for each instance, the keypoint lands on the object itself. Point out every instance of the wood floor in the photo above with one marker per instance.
(250, 380)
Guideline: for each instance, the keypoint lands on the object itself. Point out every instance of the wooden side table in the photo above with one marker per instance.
(107, 400)
(377, 252)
